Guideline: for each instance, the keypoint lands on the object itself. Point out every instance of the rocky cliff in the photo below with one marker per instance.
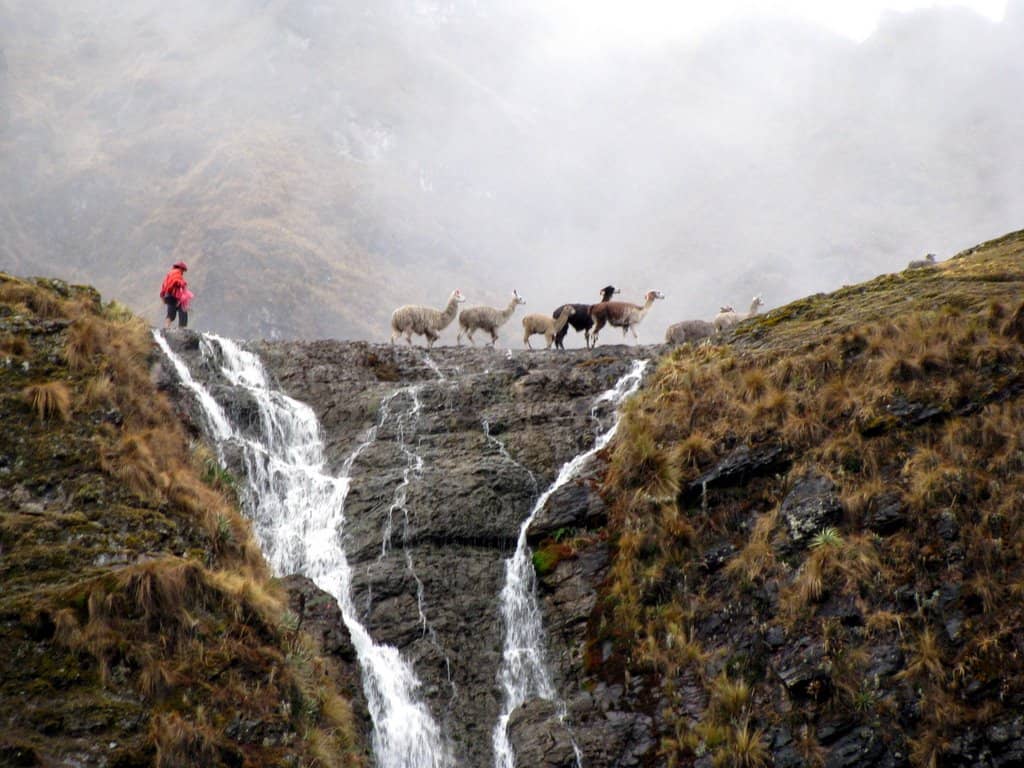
(464, 441)
(804, 546)
(802, 549)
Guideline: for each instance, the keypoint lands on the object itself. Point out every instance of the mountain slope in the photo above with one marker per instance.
(818, 530)
(138, 623)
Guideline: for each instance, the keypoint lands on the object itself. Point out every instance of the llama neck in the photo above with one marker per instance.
(563, 318)
(506, 313)
(754, 305)
(449, 312)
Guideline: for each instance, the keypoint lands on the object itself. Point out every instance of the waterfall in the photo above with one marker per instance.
(297, 509)
(523, 673)
(405, 423)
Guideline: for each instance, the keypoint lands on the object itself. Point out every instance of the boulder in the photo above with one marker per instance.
(811, 506)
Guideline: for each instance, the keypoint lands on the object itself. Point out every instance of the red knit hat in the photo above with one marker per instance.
(180, 265)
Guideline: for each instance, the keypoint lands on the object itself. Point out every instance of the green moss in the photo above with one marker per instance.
(547, 557)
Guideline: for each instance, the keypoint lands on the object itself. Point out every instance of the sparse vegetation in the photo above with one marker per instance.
(915, 415)
(133, 589)
(49, 400)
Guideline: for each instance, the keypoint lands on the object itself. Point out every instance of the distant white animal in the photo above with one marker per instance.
(487, 319)
(728, 317)
(424, 321)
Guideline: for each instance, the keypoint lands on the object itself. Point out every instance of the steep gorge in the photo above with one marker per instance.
(795, 555)
(803, 546)
(454, 449)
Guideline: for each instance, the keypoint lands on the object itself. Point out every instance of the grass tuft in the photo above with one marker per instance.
(49, 400)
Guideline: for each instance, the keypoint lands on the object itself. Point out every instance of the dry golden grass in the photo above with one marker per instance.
(744, 747)
(729, 698)
(757, 559)
(87, 337)
(181, 743)
(98, 392)
(30, 298)
(925, 662)
(49, 400)
(157, 678)
(904, 391)
(132, 461)
(16, 347)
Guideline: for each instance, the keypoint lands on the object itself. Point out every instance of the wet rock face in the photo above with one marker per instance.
(454, 447)
(318, 615)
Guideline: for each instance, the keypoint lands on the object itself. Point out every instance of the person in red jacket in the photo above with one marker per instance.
(176, 295)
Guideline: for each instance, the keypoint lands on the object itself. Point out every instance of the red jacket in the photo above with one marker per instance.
(174, 284)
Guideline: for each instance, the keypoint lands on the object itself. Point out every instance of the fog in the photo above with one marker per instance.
(320, 163)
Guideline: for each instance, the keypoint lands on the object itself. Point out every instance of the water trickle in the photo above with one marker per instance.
(297, 509)
(434, 367)
(216, 419)
(523, 673)
(507, 456)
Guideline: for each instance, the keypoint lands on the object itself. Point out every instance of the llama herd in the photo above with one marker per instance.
(588, 318)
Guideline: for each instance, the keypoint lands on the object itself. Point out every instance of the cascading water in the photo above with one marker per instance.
(297, 509)
(404, 425)
(523, 673)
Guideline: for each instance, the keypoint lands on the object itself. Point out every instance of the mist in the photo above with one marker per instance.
(319, 163)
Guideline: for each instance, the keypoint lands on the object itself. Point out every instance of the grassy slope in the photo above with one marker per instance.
(907, 393)
(138, 623)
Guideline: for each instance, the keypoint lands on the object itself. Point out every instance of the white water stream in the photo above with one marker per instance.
(523, 673)
(297, 508)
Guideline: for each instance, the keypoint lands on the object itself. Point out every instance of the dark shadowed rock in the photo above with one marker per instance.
(616, 738)
(739, 467)
(716, 556)
(886, 513)
(575, 505)
(801, 664)
(809, 507)
(859, 747)
(539, 737)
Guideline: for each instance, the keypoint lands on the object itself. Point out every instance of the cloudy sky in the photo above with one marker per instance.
(587, 25)
(320, 163)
